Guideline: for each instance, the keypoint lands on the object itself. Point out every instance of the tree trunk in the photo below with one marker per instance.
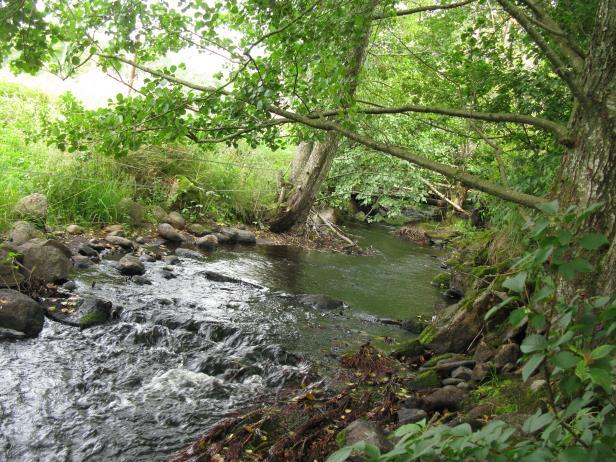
(588, 169)
(307, 184)
(314, 169)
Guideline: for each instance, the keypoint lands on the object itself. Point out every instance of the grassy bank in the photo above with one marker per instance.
(222, 184)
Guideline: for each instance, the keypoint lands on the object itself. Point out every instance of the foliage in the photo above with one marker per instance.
(570, 343)
(86, 187)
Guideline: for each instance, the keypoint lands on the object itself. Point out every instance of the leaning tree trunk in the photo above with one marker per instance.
(588, 169)
(309, 173)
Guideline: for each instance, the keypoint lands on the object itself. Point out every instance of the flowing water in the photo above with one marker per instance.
(187, 351)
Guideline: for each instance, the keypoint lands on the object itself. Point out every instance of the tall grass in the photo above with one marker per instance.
(222, 184)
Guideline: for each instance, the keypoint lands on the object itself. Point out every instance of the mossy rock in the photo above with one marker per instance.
(441, 280)
(424, 380)
(93, 318)
(409, 349)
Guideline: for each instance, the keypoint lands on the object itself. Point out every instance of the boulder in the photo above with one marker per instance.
(177, 220)
(23, 231)
(74, 229)
(169, 233)
(198, 230)
(119, 241)
(69, 286)
(320, 302)
(408, 416)
(445, 366)
(244, 236)
(160, 215)
(20, 316)
(508, 353)
(47, 261)
(452, 381)
(209, 242)
(229, 235)
(81, 262)
(365, 430)
(132, 211)
(91, 311)
(131, 266)
(33, 206)
(448, 397)
(98, 245)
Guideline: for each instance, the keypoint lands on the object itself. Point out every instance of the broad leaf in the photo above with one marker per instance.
(531, 365)
(516, 283)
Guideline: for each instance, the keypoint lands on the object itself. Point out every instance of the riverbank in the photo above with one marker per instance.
(460, 370)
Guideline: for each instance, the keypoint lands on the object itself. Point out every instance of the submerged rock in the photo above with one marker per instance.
(141, 280)
(131, 266)
(320, 302)
(188, 253)
(20, 316)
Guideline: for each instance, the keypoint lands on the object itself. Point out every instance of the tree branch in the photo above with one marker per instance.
(463, 177)
(557, 129)
(421, 9)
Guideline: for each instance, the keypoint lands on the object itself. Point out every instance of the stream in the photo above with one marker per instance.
(187, 351)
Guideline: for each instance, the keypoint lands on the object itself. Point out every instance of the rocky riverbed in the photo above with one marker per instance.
(145, 342)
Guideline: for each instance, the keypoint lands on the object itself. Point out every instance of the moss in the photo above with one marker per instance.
(92, 318)
(441, 280)
(435, 359)
(409, 349)
(424, 380)
(427, 335)
(341, 438)
(507, 396)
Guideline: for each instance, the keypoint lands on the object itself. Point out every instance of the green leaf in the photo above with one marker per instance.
(593, 241)
(573, 454)
(498, 307)
(565, 360)
(549, 208)
(517, 317)
(536, 422)
(340, 455)
(602, 351)
(531, 365)
(601, 377)
(516, 283)
(572, 267)
(534, 342)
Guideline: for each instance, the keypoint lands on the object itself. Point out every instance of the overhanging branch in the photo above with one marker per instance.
(421, 9)
(463, 177)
